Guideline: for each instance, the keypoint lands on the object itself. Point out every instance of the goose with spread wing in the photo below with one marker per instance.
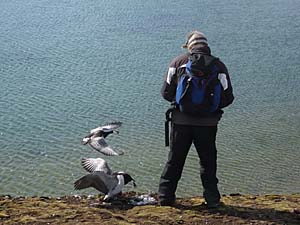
(96, 138)
(102, 178)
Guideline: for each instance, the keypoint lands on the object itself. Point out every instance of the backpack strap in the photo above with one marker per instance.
(188, 83)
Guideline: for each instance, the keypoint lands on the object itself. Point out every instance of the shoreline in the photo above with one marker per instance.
(81, 209)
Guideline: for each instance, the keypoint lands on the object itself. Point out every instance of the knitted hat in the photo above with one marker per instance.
(195, 37)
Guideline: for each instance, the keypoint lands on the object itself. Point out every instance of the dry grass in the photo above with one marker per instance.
(237, 209)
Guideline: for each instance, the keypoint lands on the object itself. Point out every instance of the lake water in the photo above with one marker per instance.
(68, 66)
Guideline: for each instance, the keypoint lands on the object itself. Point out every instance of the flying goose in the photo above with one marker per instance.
(96, 138)
(101, 178)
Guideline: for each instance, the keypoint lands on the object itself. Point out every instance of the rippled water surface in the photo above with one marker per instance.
(69, 66)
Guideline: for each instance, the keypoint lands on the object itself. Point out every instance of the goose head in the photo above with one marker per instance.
(127, 178)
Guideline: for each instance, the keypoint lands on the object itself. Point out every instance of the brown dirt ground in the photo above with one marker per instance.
(237, 209)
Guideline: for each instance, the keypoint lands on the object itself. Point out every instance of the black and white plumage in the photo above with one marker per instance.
(101, 178)
(96, 138)
(95, 164)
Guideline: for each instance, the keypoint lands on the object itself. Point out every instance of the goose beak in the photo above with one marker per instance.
(134, 184)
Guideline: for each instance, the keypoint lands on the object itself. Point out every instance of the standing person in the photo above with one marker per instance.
(199, 127)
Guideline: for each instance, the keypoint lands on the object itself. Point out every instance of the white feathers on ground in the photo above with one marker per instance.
(143, 200)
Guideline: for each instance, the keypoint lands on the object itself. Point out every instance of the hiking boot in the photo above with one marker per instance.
(212, 205)
(166, 202)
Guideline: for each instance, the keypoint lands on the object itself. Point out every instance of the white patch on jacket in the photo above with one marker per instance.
(171, 73)
(223, 79)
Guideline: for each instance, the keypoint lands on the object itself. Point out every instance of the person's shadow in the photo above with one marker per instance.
(249, 214)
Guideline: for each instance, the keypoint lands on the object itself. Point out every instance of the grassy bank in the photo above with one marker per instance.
(237, 209)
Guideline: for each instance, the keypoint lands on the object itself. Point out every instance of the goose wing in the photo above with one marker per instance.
(111, 126)
(100, 145)
(95, 164)
(98, 180)
(107, 127)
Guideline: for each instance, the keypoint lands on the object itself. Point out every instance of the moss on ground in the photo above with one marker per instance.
(237, 209)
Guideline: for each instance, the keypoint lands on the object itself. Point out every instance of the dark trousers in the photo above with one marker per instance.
(204, 140)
